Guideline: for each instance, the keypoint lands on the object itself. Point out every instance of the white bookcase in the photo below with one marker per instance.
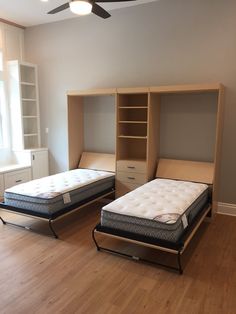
(24, 105)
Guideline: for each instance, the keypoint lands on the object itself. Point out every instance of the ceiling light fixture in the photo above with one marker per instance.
(80, 7)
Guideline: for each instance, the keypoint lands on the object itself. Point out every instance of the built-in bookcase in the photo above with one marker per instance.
(24, 105)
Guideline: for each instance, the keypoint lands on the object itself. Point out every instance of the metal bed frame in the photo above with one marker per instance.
(54, 217)
(177, 249)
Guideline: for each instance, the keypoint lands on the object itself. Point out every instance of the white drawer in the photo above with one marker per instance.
(1, 185)
(16, 177)
(132, 166)
(131, 177)
(124, 187)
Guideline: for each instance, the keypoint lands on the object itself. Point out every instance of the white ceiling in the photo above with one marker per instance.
(34, 12)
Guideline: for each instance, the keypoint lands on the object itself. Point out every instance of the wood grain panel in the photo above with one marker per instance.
(97, 161)
(186, 170)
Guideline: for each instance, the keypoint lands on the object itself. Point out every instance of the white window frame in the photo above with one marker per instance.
(4, 114)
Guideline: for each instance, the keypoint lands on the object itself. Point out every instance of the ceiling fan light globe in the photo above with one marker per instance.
(80, 7)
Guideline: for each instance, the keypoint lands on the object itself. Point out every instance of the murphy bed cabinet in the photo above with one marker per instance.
(24, 105)
(77, 116)
(139, 136)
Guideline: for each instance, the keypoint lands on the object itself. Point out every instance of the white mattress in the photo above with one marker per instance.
(58, 184)
(161, 200)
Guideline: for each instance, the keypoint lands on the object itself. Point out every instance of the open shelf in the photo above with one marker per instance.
(132, 148)
(23, 91)
(136, 130)
(133, 100)
(27, 74)
(133, 115)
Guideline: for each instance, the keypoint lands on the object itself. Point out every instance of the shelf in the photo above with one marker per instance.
(131, 136)
(28, 99)
(132, 159)
(133, 122)
(32, 134)
(29, 117)
(27, 84)
(133, 107)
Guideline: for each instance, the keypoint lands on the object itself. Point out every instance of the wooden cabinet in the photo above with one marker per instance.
(146, 130)
(134, 165)
(91, 123)
(24, 106)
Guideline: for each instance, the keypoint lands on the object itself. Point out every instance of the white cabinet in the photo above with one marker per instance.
(13, 175)
(24, 105)
(39, 163)
(37, 158)
(16, 177)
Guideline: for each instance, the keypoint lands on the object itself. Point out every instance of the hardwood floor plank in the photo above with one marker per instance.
(40, 274)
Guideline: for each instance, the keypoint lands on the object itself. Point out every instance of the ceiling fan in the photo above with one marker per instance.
(83, 7)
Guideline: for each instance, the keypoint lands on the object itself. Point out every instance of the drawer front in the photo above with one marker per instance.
(131, 166)
(124, 187)
(1, 186)
(131, 177)
(16, 177)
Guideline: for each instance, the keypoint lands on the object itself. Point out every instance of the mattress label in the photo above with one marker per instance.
(66, 198)
(184, 221)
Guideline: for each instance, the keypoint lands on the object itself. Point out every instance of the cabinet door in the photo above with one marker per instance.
(39, 164)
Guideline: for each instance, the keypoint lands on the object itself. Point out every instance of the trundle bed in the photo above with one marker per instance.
(163, 214)
(53, 197)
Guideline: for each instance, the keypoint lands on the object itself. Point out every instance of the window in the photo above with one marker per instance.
(3, 109)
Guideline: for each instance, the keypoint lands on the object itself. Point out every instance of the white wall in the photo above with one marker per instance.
(161, 43)
(13, 48)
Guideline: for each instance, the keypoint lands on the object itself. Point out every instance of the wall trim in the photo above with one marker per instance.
(226, 209)
(11, 23)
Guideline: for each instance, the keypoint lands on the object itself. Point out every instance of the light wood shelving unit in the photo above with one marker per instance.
(136, 160)
(138, 135)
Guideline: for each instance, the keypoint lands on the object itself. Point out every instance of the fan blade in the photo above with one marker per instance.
(113, 0)
(96, 9)
(60, 8)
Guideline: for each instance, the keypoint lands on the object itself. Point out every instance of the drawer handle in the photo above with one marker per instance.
(17, 181)
(130, 167)
(131, 178)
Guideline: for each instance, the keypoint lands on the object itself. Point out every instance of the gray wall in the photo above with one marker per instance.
(99, 124)
(188, 126)
(161, 43)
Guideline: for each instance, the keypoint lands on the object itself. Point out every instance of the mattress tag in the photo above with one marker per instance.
(66, 198)
(184, 221)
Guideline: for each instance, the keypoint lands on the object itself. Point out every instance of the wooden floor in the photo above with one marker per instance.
(39, 274)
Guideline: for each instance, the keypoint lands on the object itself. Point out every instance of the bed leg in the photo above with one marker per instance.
(3, 221)
(179, 263)
(52, 230)
(94, 240)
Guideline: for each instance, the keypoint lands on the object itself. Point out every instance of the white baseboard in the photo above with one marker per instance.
(226, 209)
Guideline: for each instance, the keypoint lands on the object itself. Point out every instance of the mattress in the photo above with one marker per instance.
(160, 209)
(51, 194)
